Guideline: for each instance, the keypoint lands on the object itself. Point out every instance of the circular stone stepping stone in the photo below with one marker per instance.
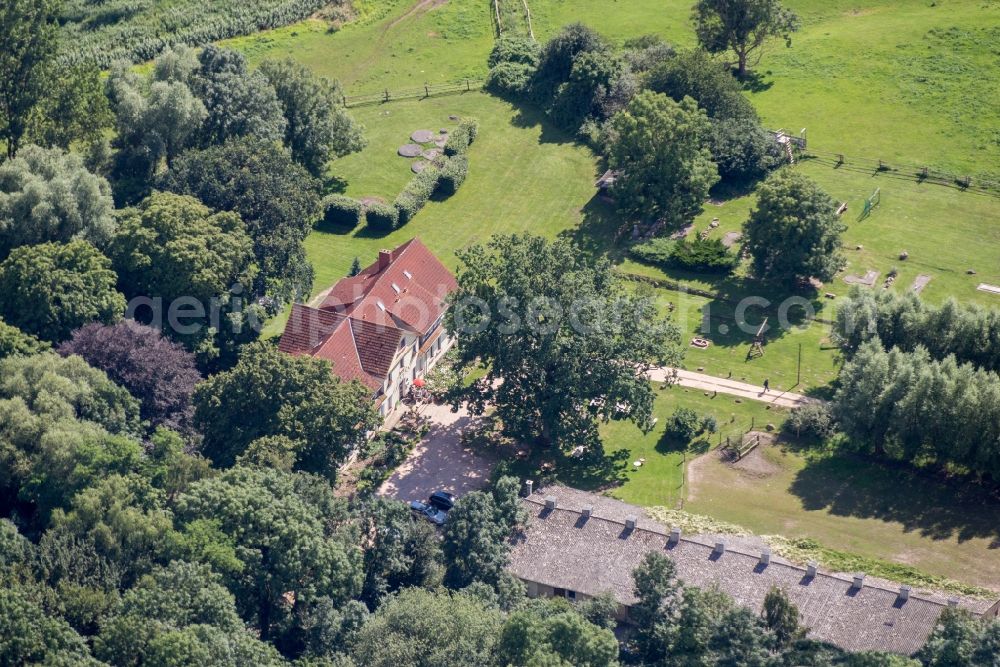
(441, 142)
(418, 166)
(410, 150)
(431, 154)
(443, 130)
(422, 136)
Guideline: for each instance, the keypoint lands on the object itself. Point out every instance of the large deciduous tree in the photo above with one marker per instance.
(794, 233)
(174, 251)
(270, 393)
(50, 289)
(239, 102)
(742, 26)
(318, 127)
(181, 614)
(14, 341)
(48, 195)
(287, 536)
(553, 633)
(659, 148)
(277, 199)
(28, 44)
(29, 635)
(564, 343)
(158, 372)
(75, 109)
(698, 75)
(420, 628)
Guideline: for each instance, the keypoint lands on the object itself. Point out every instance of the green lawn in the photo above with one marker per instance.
(858, 506)
(524, 176)
(726, 355)
(659, 481)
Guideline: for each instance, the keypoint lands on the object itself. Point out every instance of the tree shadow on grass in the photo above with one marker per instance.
(595, 235)
(528, 117)
(855, 487)
(754, 82)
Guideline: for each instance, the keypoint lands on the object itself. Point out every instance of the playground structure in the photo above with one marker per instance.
(757, 347)
(735, 451)
(870, 204)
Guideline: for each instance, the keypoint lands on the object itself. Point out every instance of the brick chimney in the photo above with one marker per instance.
(384, 259)
(550, 502)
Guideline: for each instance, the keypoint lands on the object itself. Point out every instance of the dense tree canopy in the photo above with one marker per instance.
(239, 103)
(180, 614)
(156, 371)
(553, 633)
(424, 629)
(568, 340)
(186, 268)
(75, 109)
(48, 195)
(743, 27)
(698, 75)
(909, 407)
(794, 233)
(28, 45)
(318, 127)
(14, 341)
(968, 331)
(658, 146)
(50, 289)
(284, 530)
(271, 393)
(29, 636)
(277, 199)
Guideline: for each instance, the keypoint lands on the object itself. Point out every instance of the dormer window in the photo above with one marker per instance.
(395, 288)
(407, 274)
(381, 306)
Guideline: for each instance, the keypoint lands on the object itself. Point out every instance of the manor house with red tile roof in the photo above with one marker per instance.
(382, 327)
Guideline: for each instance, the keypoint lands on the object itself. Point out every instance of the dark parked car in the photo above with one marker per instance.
(429, 512)
(442, 500)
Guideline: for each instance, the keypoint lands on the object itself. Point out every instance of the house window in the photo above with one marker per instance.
(570, 595)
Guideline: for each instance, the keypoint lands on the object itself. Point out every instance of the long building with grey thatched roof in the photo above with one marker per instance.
(578, 545)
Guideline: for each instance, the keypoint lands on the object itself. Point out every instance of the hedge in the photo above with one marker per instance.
(416, 193)
(462, 137)
(453, 174)
(382, 216)
(341, 210)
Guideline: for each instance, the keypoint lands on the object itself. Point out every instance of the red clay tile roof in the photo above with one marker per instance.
(412, 290)
(359, 324)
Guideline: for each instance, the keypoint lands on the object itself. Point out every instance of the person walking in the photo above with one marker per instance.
(767, 385)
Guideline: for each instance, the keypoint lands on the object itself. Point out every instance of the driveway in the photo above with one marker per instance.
(440, 462)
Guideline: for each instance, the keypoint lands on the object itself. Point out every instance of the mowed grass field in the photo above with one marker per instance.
(856, 506)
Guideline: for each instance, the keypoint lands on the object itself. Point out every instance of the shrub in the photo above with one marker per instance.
(341, 210)
(743, 150)
(416, 193)
(683, 424)
(510, 80)
(453, 174)
(709, 424)
(382, 216)
(812, 420)
(462, 137)
(710, 255)
(656, 251)
(514, 50)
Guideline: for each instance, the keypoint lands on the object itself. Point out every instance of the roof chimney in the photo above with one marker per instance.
(550, 502)
(720, 547)
(528, 487)
(384, 259)
(953, 602)
(811, 569)
(630, 522)
(675, 535)
(587, 510)
(765, 557)
(904, 592)
(859, 580)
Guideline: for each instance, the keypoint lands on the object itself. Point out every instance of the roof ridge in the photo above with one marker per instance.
(793, 566)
